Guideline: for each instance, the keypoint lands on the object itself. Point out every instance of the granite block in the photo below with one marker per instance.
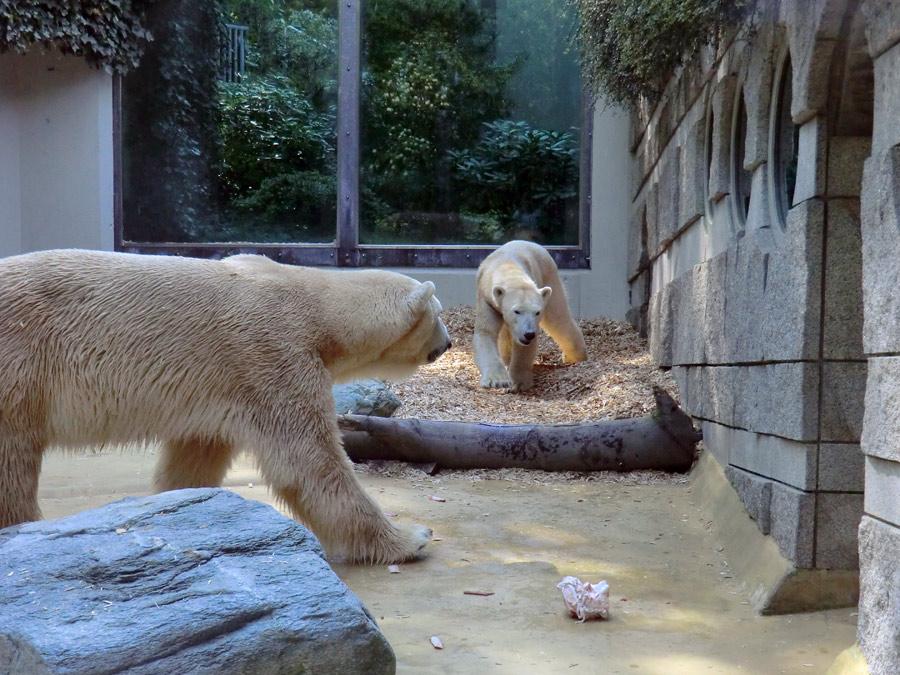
(792, 517)
(846, 158)
(719, 386)
(778, 458)
(779, 399)
(882, 489)
(789, 324)
(841, 467)
(718, 440)
(881, 419)
(661, 326)
(843, 321)
(714, 271)
(692, 186)
(837, 522)
(878, 631)
(843, 397)
(755, 493)
(880, 227)
(669, 196)
(886, 131)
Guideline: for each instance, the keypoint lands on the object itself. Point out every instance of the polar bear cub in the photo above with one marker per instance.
(519, 290)
(207, 358)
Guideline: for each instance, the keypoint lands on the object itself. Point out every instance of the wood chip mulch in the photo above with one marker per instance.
(615, 382)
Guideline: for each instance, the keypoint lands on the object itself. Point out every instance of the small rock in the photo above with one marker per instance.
(365, 397)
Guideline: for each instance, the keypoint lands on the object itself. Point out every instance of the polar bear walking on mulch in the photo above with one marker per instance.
(207, 358)
(519, 290)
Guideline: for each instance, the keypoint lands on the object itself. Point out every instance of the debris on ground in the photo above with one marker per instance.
(584, 600)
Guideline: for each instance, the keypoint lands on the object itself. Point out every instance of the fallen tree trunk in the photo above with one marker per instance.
(665, 440)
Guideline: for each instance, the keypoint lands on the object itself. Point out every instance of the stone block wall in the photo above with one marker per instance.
(779, 311)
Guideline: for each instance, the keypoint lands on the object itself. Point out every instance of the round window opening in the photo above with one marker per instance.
(741, 179)
(786, 139)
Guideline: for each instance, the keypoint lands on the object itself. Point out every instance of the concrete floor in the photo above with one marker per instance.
(676, 605)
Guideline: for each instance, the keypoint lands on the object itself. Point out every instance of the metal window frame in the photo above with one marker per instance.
(346, 251)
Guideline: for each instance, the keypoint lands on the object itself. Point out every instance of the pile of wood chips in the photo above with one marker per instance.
(615, 382)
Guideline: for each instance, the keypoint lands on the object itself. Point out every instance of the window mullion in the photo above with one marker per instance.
(348, 129)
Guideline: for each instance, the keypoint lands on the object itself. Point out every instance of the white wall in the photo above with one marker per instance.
(56, 153)
(602, 290)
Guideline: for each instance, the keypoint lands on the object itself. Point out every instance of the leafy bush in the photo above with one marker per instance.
(431, 80)
(630, 48)
(527, 174)
(270, 130)
(108, 33)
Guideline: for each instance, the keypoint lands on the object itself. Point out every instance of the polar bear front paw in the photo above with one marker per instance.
(417, 538)
(523, 385)
(496, 379)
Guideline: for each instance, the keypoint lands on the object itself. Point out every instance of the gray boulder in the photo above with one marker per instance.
(188, 581)
(365, 397)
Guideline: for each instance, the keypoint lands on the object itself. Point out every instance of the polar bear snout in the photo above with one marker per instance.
(435, 354)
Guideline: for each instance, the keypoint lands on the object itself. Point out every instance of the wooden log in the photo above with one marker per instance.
(665, 440)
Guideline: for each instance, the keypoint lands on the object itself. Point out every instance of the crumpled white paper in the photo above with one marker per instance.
(585, 600)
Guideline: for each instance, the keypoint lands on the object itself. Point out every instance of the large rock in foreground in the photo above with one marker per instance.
(189, 581)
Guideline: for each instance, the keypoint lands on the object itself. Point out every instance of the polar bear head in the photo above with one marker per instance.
(400, 328)
(427, 338)
(521, 307)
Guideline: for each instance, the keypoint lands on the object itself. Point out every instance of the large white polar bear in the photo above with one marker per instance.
(207, 358)
(519, 289)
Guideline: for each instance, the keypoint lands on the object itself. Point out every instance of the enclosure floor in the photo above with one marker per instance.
(675, 607)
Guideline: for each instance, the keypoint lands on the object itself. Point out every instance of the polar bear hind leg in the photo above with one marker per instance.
(192, 462)
(558, 323)
(20, 466)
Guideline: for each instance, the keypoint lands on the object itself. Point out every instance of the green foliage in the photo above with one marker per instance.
(297, 206)
(269, 130)
(431, 81)
(108, 33)
(301, 47)
(526, 173)
(630, 48)
(171, 119)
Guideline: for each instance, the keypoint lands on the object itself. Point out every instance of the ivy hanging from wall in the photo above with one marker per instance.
(630, 48)
(109, 34)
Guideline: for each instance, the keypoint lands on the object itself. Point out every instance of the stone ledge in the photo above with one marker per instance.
(772, 584)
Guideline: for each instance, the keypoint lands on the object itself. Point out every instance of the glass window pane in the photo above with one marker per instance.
(228, 124)
(470, 120)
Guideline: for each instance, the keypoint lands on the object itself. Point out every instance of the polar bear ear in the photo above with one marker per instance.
(497, 292)
(419, 298)
(545, 292)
